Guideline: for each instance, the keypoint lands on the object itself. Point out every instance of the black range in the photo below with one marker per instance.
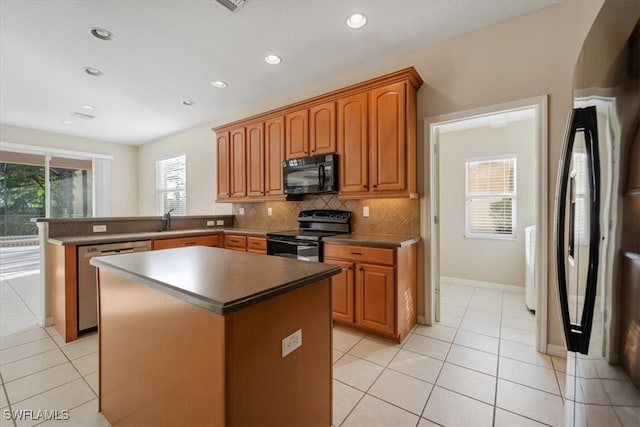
(305, 243)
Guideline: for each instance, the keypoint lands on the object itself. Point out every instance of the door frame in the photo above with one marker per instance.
(430, 229)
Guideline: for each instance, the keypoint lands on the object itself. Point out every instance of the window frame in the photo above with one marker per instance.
(468, 234)
(160, 208)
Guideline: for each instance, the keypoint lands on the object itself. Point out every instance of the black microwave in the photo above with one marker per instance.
(311, 175)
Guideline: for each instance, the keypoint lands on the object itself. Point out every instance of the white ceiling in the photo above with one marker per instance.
(166, 51)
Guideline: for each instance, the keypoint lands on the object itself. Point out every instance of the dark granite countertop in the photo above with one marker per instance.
(374, 240)
(215, 279)
(99, 238)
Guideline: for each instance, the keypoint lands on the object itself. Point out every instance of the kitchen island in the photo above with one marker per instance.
(208, 336)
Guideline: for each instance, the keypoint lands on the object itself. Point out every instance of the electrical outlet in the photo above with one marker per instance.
(269, 211)
(365, 211)
(241, 211)
(220, 222)
(291, 342)
(210, 223)
(99, 228)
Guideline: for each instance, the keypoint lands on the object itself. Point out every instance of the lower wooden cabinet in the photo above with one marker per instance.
(257, 245)
(376, 290)
(245, 243)
(213, 241)
(235, 242)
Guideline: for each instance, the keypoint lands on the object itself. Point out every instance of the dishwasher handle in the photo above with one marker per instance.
(117, 251)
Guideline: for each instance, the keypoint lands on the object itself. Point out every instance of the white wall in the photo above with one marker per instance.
(199, 146)
(124, 171)
(486, 260)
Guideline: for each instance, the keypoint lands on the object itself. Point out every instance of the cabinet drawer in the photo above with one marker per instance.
(257, 244)
(360, 253)
(233, 241)
(187, 241)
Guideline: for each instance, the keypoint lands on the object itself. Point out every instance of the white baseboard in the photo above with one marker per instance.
(557, 350)
(422, 320)
(479, 284)
(48, 321)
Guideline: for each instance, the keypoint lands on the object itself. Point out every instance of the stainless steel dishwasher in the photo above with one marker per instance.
(87, 278)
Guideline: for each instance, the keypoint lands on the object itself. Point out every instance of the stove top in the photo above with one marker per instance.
(316, 224)
(303, 234)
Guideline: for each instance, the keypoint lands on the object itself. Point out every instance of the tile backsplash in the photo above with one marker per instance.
(386, 216)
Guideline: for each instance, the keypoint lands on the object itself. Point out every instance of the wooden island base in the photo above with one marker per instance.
(165, 361)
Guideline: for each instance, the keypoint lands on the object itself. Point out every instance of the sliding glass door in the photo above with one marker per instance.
(33, 185)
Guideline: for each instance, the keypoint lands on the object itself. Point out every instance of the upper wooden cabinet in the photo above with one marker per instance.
(297, 134)
(377, 143)
(223, 150)
(255, 160)
(371, 125)
(238, 172)
(353, 143)
(388, 143)
(322, 129)
(274, 156)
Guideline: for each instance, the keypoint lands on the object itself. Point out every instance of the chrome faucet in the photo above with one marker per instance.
(166, 220)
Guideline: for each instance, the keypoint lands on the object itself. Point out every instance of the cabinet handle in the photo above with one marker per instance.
(364, 186)
(349, 268)
(361, 269)
(375, 185)
(356, 253)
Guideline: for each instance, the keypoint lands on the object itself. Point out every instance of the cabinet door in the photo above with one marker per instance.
(181, 242)
(235, 242)
(342, 291)
(375, 303)
(297, 134)
(257, 245)
(322, 128)
(224, 191)
(255, 160)
(353, 143)
(388, 138)
(238, 173)
(274, 155)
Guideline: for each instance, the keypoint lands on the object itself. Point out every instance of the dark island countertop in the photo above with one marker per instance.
(373, 240)
(219, 280)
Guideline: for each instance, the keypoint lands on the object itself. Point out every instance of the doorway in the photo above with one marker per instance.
(478, 213)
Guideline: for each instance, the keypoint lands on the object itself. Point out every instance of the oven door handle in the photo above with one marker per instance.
(292, 242)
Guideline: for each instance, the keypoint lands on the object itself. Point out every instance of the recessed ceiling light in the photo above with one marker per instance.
(88, 107)
(272, 59)
(92, 71)
(102, 34)
(357, 20)
(187, 102)
(67, 122)
(219, 84)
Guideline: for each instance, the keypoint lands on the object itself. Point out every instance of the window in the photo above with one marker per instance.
(42, 185)
(491, 197)
(172, 185)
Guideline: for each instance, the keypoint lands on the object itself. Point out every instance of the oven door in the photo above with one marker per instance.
(293, 248)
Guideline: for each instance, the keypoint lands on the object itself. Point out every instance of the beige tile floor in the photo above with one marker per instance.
(477, 367)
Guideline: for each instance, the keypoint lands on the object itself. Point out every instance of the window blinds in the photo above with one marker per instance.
(172, 185)
(490, 198)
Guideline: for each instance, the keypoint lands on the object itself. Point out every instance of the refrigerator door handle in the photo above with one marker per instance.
(582, 120)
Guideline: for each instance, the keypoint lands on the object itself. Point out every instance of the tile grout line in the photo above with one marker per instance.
(495, 391)
(74, 366)
(23, 301)
(443, 362)
(4, 389)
